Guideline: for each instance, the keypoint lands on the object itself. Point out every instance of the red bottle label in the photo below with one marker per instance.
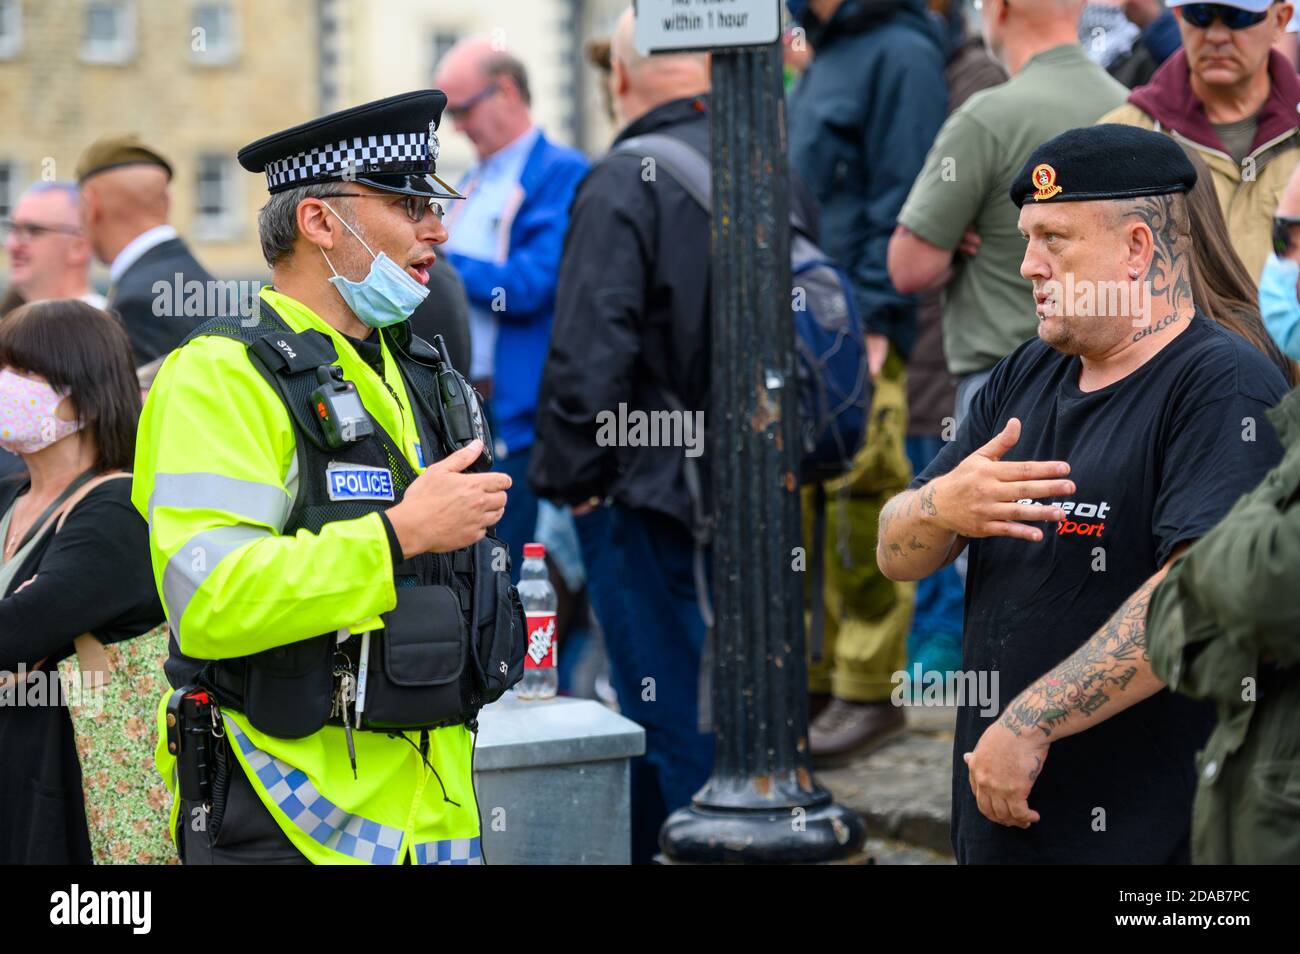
(541, 641)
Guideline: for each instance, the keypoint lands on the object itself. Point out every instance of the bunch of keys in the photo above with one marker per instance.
(345, 695)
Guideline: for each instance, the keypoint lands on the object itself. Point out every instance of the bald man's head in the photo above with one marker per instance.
(488, 95)
(120, 203)
(639, 83)
(1016, 32)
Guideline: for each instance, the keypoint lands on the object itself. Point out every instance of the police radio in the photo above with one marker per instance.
(461, 410)
(342, 416)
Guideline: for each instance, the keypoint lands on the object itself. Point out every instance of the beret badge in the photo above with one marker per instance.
(1044, 177)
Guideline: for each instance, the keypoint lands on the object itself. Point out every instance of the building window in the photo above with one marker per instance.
(216, 205)
(214, 33)
(439, 43)
(108, 31)
(11, 27)
(8, 188)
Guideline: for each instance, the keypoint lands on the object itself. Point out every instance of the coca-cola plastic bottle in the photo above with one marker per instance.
(538, 596)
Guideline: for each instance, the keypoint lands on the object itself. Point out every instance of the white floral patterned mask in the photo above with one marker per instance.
(28, 422)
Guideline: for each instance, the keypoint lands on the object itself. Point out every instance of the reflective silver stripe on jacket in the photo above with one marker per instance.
(190, 565)
(248, 499)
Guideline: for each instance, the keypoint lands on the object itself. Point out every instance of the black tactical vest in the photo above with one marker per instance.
(456, 639)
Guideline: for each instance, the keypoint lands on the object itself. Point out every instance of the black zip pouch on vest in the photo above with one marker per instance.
(500, 630)
(413, 677)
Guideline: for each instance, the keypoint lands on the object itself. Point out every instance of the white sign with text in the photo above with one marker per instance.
(667, 25)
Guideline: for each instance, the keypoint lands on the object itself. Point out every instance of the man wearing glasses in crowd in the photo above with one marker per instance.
(49, 256)
(507, 239)
(1230, 96)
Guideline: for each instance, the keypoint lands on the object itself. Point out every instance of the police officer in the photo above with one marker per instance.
(337, 613)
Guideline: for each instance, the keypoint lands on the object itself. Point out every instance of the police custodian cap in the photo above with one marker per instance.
(1110, 161)
(390, 144)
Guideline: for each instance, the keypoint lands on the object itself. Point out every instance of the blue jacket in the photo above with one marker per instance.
(523, 286)
(862, 118)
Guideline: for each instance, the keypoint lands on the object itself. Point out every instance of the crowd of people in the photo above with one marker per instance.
(970, 169)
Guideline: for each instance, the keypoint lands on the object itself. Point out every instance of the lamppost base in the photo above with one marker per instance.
(825, 834)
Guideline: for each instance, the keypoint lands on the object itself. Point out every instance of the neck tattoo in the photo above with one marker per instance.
(1160, 325)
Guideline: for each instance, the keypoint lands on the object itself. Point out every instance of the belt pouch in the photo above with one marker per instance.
(287, 689)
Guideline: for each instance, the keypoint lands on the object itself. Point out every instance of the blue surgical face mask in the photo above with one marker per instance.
(386, 296)
(1278, 305)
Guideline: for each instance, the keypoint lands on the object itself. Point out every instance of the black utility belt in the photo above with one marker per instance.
(434, 663)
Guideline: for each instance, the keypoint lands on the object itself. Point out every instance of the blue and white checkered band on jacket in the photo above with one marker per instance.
(396, 152)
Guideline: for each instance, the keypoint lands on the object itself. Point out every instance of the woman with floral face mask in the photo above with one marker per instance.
(74, 556)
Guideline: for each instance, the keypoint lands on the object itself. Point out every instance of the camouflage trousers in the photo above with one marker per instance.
(867, 615)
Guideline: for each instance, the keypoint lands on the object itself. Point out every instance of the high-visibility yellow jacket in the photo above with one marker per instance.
(215, 476)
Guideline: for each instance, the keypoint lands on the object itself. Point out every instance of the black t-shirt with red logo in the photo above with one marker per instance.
(1157, 458)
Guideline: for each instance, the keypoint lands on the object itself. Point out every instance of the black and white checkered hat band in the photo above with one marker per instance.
(397, 152)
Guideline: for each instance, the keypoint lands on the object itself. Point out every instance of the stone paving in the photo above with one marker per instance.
(903, 790)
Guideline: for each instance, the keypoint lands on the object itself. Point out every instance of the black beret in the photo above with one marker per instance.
(390, 144)
(116, 151)
(1110, 161)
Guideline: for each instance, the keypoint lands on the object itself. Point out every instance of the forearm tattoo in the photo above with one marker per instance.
(927, 500)
(1097, 671)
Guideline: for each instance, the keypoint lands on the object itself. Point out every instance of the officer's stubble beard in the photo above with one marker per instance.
(349, 258)
(349, 255)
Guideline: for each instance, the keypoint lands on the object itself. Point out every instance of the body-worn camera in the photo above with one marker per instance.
(343, 418)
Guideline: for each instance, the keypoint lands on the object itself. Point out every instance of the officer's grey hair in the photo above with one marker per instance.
(277, 223)
(503, 64)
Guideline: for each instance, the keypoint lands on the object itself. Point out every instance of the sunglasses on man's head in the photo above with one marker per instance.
(1282, 225)
(1201, 15)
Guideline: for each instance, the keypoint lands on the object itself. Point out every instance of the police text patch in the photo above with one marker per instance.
(358, 482)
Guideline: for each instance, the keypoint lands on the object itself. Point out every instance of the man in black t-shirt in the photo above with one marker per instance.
(1135, 422)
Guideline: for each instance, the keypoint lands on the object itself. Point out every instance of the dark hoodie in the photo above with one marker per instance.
(862, 118)
(1170, 101)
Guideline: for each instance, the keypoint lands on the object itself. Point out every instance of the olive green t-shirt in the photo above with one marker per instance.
(988, 309)
(1238, 137)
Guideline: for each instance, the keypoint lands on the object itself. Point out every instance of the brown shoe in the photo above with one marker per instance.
(817, 701)
(845, 729)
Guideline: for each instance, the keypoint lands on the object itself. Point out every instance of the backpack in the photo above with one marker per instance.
(834, 385)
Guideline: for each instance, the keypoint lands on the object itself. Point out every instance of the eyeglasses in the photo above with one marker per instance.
(27, 231)
(456, 112)
(1282, 225)
(416, 205)
(1201, 15)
